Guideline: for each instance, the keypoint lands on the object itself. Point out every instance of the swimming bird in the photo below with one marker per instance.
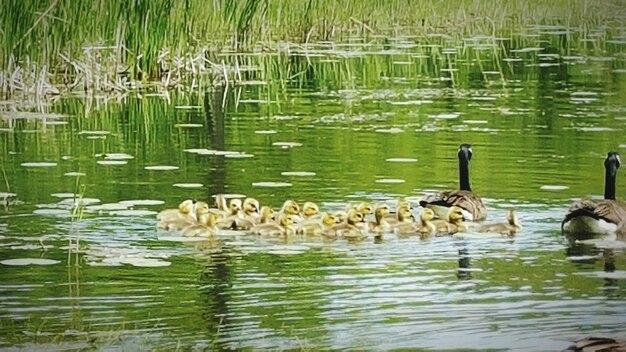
(424, 228)
(510, 228)
(318, 226)
(352, 227)
(184, 210)
(206, 226)
(453, 223)
(587, 218)
(234, 213)
(309, 210)
(283, 227)
(380, 224)
(179, 223)
(471, 205)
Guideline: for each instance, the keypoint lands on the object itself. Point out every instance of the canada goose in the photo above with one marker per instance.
(185, 209)
(587, 218)
(424, 228)
(471, 205)
(403, 215)
(177, 224)
(266, 215)
(453, 224)
(309, 210)
(318, 226)
(364, 208)
(511, 228)
(234, 213)
(351, 228)
(284, 227)
(251, 207)
(380, 224)
(206, 227)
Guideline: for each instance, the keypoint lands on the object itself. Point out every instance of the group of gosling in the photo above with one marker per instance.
(444, 213)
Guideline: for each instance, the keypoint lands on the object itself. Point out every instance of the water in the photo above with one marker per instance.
(540, 122)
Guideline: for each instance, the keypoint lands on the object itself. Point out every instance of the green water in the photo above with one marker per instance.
(547, 119)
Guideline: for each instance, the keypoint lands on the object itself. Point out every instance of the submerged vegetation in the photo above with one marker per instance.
(115, 46)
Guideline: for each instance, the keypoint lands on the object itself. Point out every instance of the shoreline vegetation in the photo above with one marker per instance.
(51, 49)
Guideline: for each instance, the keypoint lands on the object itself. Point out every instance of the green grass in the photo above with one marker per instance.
(138, 30)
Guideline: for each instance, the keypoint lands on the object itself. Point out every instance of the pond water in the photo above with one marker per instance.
(366, 121)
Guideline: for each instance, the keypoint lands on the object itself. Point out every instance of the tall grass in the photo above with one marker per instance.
(140, 29)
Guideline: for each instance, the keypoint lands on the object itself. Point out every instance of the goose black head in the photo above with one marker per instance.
(465, 150)
(612, 159)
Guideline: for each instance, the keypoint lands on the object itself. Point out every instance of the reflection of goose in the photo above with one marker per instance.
(587, 218)
(510, 228)
(471, 205)
(453, 224)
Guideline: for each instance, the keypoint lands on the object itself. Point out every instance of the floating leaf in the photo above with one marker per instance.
(287, 144)
(181, 238)
(64, 195)
(74, 174)
(133, 212)
(238, 155)
(188, 125)
(29, 261)
(52, 212)
(118, 156)
(134, 202)
(106, 207)
(189, 185)
(401, 160)
(265, 132)
(389, 130)
(112, 162)
(553, 188)
(271, 184)
(94, 133)
(161, 168)
(446, 116)
(145, 262)
(390, 180)
(297, 173)
(5, 195)
(39, 164)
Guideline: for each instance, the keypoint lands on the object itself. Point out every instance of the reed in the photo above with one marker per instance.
(115, 46)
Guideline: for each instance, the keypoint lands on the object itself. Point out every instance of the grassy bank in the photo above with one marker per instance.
(114, 45)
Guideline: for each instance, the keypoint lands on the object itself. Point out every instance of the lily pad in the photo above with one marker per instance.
(265, 132)
(29, 261)
(134, 202)
(112, 162)
(390, 180)
(401, 160)
(238, 155)
(553, 188)
(188, 185)
(393, 130)
(106, 207)
(74, 174)
(161, 168)
(298, 173)
(145, 262)
(271, 184)
(188, 125)
(133, 212)
(94, 133)
(39, 164)
(52, 212)
(118, 156)
(287, 144)
(64, 195)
